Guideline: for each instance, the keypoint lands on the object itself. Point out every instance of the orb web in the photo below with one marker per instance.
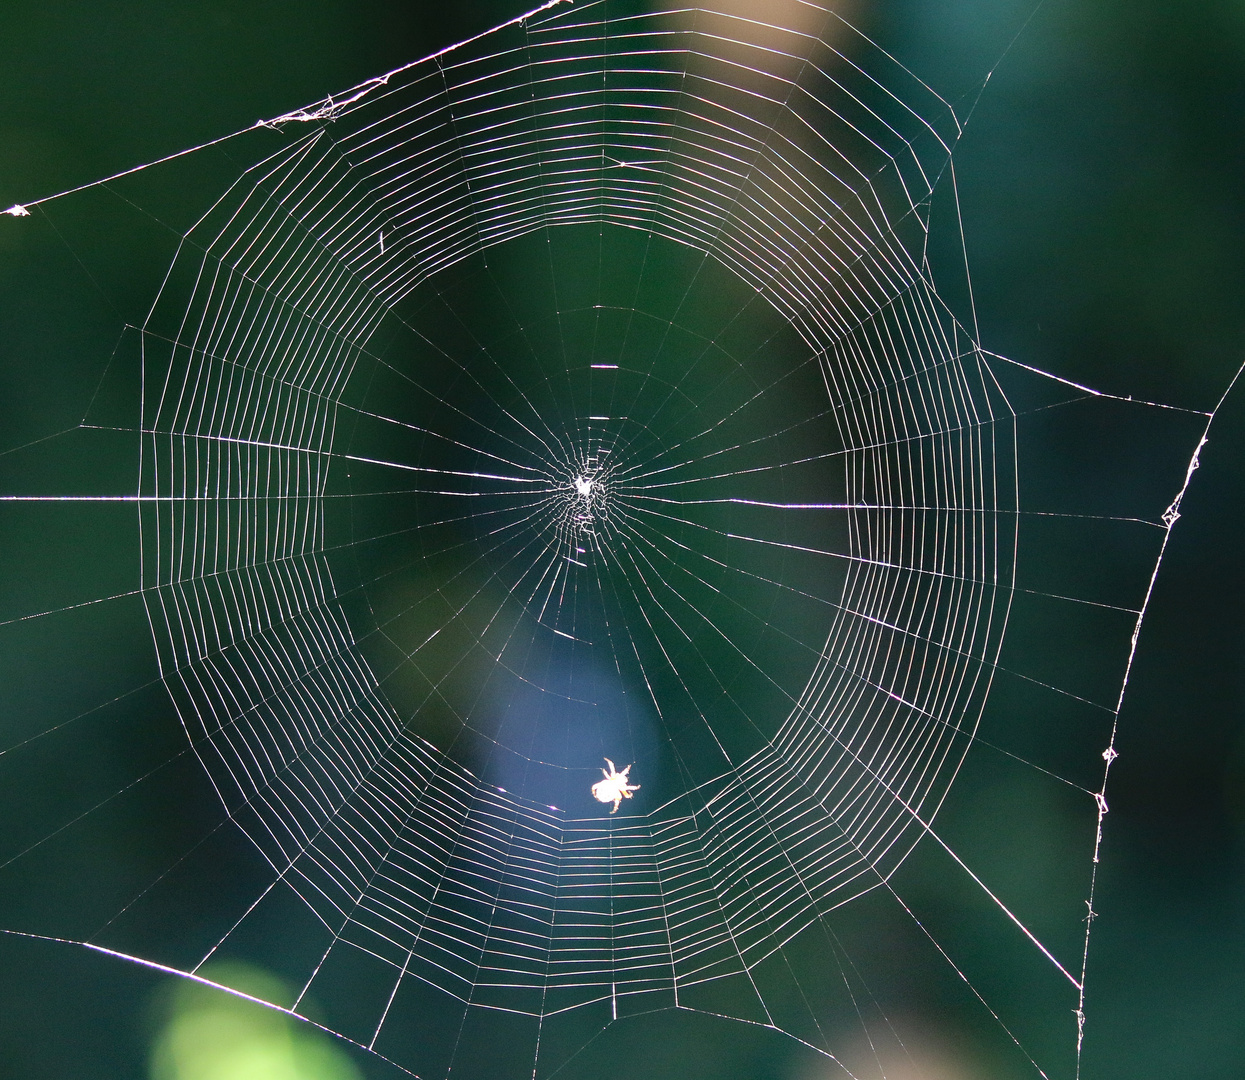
(578, 394)
(583, 394)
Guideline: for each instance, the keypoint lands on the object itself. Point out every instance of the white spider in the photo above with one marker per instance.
(614, 788)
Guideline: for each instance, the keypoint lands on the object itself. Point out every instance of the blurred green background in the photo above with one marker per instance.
(1102, 181)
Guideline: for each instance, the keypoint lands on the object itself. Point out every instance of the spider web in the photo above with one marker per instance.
(583, 392)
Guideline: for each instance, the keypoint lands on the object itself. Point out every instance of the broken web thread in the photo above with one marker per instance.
(584, 392)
